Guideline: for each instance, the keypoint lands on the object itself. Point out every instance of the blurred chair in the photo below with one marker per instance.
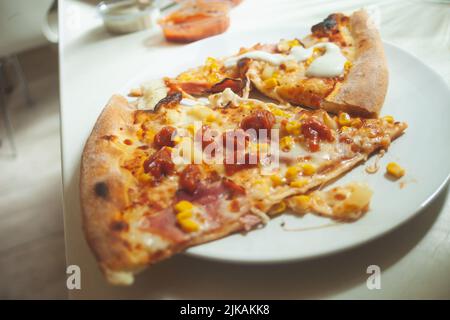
(21, 25)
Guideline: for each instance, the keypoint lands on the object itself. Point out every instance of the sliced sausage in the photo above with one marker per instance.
(190, 178)
(160, 163)
(315, 131)
(164, 137)
(259, 119)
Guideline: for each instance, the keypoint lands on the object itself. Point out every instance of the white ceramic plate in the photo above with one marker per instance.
(416, 95)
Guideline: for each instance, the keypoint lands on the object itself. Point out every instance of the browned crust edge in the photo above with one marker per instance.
(102, 188)
(364, 89)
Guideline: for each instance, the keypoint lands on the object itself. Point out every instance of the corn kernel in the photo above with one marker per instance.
(184, 215)
(184, 205)
(145, 135)
(303, 116)
(389, 119)
(189, 225)
(318, 51)
(261, 187)
(212, 63)
(344, 119)
(278, 208)
(209, 61)
(293, 43)
(286, 143)
(270, 83)
(395, 170)
(308, 169)
(177, 139)
(140, 134)
(293, 127)
(191, 128)
(279, 112)
(309, 60)
(211, 117)
(345, 129)
(298, 183)
(347, 65)
(184, 77)
(213, 78)
(145, 177)
(276, 180)
(292, 172)
(356, 122)
(302, 201)
(246, 106)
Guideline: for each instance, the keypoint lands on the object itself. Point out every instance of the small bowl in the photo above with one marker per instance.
(125, 16)
(196, 20)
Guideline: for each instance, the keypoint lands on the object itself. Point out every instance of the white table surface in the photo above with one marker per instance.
(414, 259)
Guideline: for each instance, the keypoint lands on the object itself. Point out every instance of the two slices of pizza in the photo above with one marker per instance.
(195, 158)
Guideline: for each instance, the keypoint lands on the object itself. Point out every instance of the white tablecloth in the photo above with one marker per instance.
(414, 259)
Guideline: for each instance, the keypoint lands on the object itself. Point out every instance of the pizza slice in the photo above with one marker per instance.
(157, 181)
(340, 66)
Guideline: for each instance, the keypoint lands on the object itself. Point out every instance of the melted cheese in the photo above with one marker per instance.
(347, 202)
(153, 91)
(273, 58)
(330, 64)
(192, 102)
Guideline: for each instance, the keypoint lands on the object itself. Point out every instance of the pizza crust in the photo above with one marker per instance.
(364, 89)
(103, 192)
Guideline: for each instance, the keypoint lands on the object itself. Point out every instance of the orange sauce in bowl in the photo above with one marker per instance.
(196, 20)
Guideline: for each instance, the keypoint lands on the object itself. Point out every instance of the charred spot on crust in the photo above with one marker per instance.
(101, 190)
(170, 100)
(119, 226)
(327, 26)
(236, 85)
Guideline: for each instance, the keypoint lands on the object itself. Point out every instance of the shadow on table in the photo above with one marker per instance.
(191, 278)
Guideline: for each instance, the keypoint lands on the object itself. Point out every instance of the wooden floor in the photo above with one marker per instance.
(32, 261)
